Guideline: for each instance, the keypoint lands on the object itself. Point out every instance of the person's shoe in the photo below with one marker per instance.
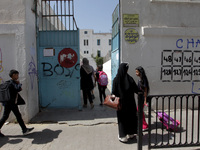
(130, 136)
(1, 135)
(84, 106)
(92, 105)
(101, 104)
(25, 132)
(123, 139)
(143, 130)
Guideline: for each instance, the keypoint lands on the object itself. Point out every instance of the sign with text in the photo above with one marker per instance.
(131, 36)
(48, 52)
(130, 20)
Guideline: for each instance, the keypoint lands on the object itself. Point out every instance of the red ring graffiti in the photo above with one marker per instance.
(67, 57)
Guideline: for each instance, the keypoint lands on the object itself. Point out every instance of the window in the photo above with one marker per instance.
(86, 43)
(86, 52)
(99, 53)
(85, 32)
(98, 42)
(110, 41)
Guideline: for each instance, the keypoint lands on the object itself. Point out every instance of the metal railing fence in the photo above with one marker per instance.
(57, 15)
(182, 109)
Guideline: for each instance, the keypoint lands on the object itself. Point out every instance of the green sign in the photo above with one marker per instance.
(131, 20)
(131, 36)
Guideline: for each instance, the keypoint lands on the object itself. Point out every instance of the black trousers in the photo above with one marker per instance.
(14, 108)
(102, 93)
(87, 94)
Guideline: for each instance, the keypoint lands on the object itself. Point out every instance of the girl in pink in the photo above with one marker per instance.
(143, 85)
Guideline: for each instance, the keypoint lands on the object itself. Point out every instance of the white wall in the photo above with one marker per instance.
(107, 70)
(89, 37)
(31, 60)
(104, 46)
(12, 55)
(18, 47)
(12, 11)
(163, 26)
(92, 37)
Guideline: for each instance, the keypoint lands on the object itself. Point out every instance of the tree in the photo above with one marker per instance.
(98, 60)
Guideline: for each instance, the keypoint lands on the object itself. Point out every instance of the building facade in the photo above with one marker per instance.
(30, 42)
(94, 44)
(164, 38)
(18, 50)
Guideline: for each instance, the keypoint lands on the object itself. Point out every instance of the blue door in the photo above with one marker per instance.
(58, 56)
(115, 53)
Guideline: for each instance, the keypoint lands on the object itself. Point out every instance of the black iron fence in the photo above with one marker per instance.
(174, 121)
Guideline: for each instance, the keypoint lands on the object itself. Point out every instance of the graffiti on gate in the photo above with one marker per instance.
(32, 71)
(50, 70)
(63, 84)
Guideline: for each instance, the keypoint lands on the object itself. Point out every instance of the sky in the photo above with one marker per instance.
(94, 14)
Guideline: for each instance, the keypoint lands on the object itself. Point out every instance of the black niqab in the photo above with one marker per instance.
(122, 77)
(124, 87)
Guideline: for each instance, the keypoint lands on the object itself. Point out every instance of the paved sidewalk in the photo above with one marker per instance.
(63, 137)
(61, 129)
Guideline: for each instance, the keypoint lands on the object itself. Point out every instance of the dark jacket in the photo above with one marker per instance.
(86, 80)
(14, 88)
(127, 98)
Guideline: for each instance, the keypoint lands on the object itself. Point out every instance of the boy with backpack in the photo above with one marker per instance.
(102, 79)
(12, 102)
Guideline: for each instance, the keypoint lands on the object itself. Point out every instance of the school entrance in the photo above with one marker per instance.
(58, 55)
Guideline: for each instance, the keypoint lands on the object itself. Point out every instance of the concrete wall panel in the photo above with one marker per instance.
(12, 11)
(168, 46)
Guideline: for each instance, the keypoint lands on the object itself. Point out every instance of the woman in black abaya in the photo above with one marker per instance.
(124, 87)
(87, 85)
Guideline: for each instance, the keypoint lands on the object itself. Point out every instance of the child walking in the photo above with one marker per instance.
(102, 79)
(11, 105)
(143, 85)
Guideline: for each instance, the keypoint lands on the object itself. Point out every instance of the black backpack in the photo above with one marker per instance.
(4, 91)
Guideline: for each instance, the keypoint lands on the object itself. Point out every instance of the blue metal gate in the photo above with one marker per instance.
(115, 53)
(58, 55)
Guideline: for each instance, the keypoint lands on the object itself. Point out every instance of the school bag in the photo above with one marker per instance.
(170, 123)
(4, 91)
(103, 79)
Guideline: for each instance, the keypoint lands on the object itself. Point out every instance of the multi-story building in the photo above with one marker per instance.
(95, 44)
